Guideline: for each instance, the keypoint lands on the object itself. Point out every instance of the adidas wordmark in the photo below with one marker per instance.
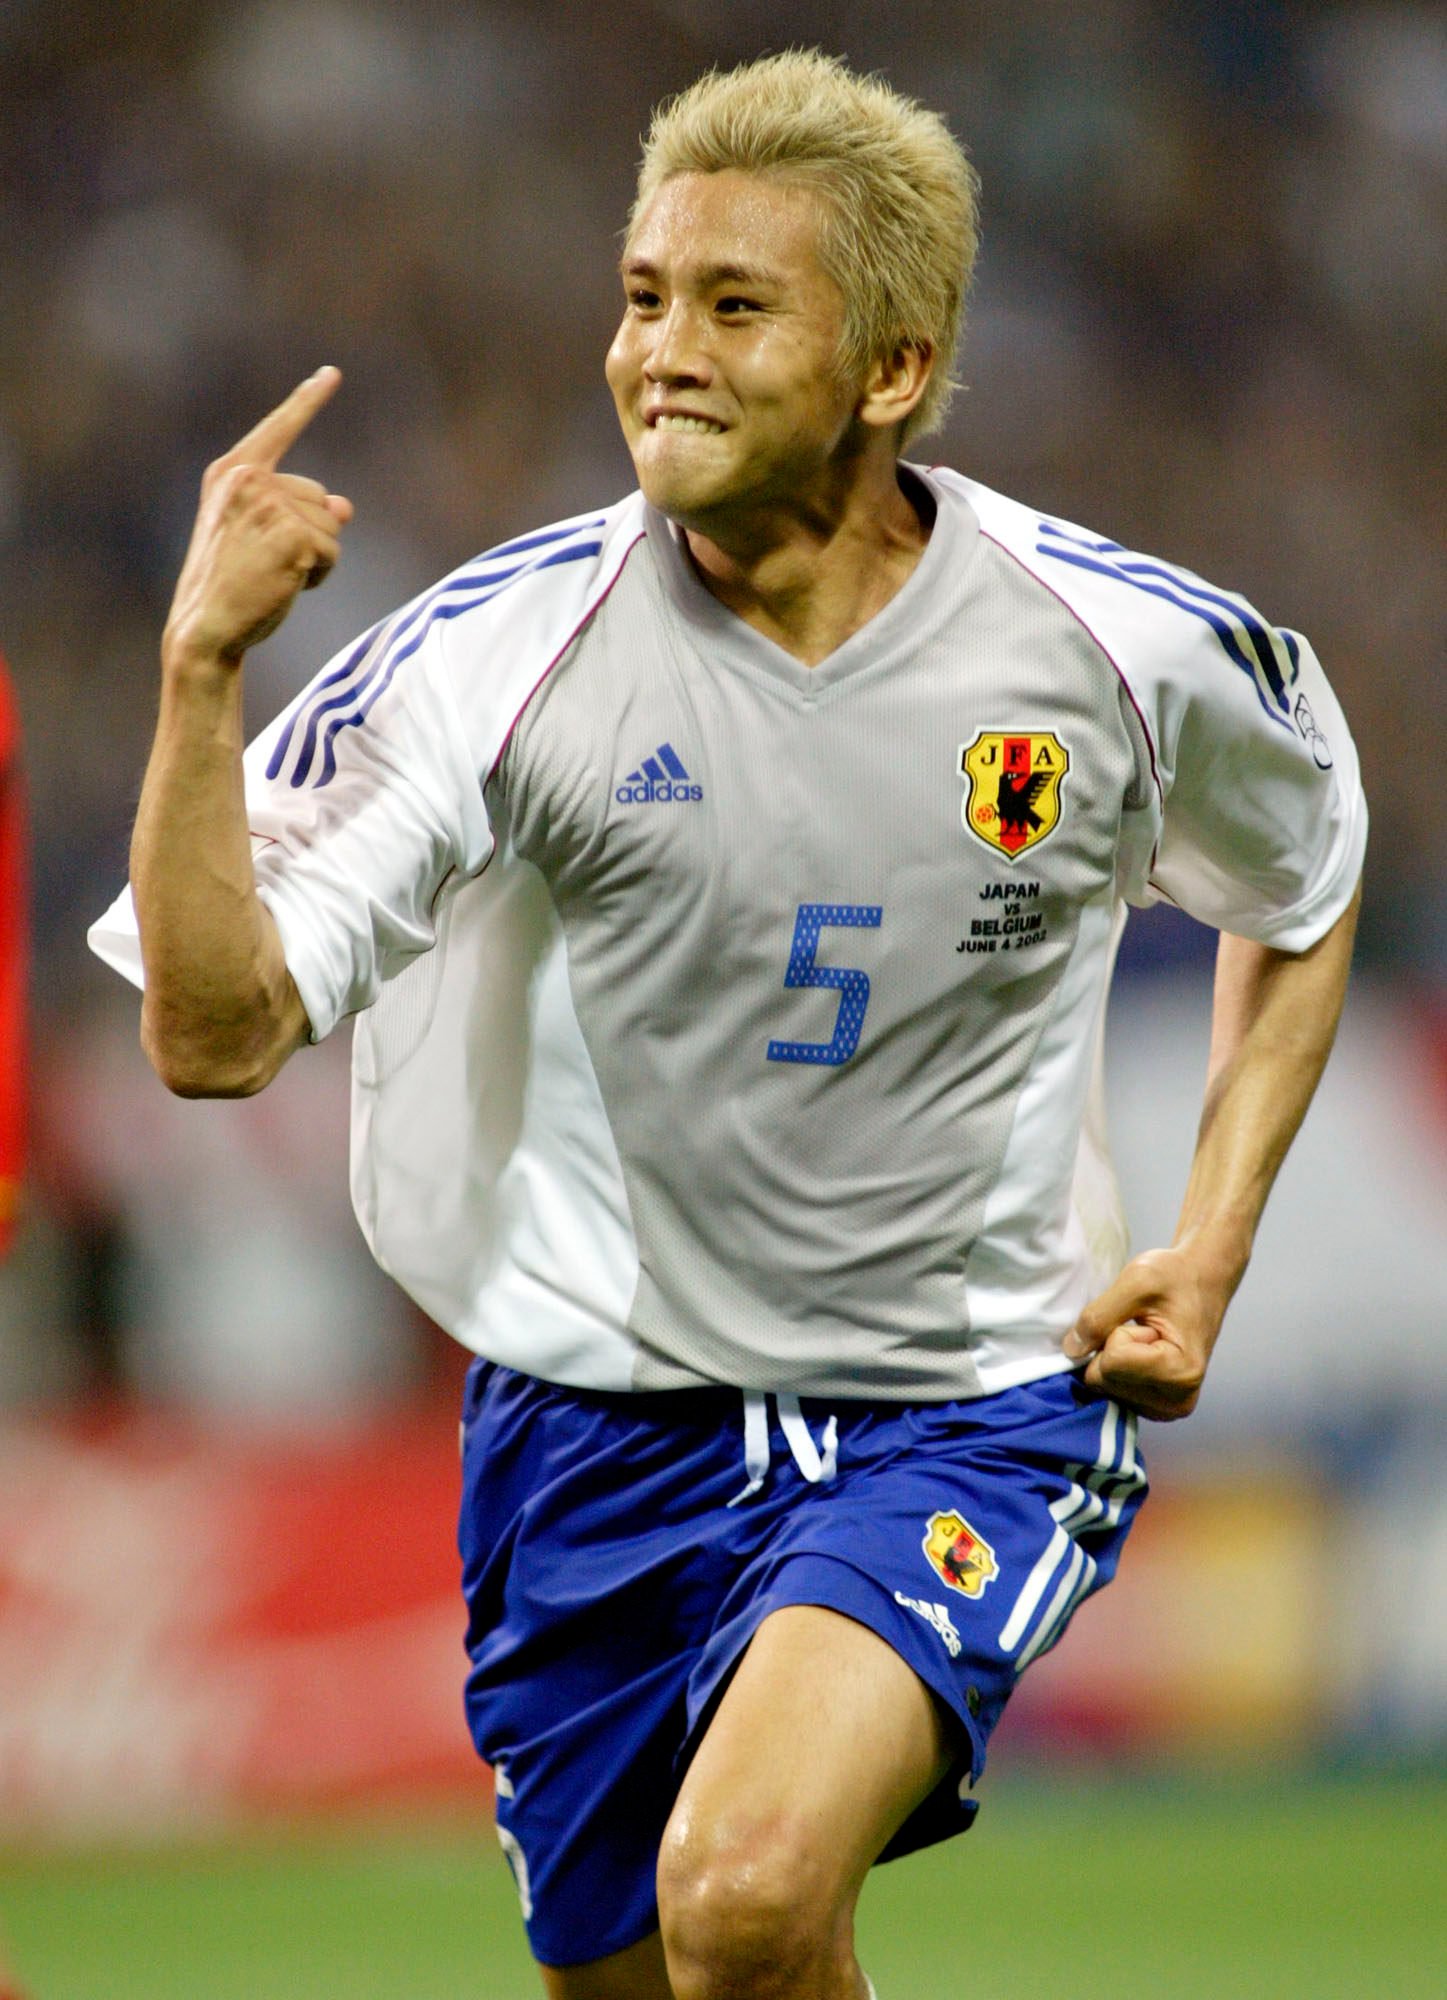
(659, 780)
(936, 1615)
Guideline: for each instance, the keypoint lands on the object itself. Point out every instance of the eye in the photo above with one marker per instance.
(642, 298)
(736, 306)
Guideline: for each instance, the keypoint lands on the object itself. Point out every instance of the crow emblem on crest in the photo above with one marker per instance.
(1015, 804)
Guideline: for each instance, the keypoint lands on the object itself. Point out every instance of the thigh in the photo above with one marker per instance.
(963, 1537)
(592, 1585)
(823, 1744)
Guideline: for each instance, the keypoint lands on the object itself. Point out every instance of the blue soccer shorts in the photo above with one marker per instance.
(612, 1589)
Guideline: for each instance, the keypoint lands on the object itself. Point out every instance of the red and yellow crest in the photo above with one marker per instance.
(1012, 787)
(958, 1556)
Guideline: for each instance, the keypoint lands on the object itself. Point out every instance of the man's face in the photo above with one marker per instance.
(724, 369)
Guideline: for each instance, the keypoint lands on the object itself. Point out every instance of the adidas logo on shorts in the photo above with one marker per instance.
(659, 780)
(936, 1615)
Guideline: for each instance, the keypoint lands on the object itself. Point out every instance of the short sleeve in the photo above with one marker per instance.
(365, 797)
(1264, 822)
(1248, 812)
(362, 799)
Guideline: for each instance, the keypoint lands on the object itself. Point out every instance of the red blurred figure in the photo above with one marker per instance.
(14, 954)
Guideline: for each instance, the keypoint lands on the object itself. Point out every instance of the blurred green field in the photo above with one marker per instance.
(1334, 1889)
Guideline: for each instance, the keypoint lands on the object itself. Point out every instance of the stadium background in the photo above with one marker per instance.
(1210, 321)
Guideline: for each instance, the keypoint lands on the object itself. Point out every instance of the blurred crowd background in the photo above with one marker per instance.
(1210, 320)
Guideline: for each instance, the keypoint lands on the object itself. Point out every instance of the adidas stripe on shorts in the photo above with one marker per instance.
(612, 1589)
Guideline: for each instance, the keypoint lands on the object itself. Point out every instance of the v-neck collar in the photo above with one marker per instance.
(915, 607)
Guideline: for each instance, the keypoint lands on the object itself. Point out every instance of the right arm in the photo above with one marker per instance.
(221, 1012)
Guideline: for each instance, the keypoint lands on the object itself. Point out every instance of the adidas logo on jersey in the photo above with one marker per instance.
(659, 780)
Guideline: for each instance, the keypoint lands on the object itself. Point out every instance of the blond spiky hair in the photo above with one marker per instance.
(897, 195)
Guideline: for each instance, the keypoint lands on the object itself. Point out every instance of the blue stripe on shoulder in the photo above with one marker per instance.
(338, 673)
(398, 645)
(346, 696)
(1255, 655)
(542, 538)
(313, 709)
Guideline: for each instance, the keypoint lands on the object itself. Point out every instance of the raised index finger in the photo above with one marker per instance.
(270, 440)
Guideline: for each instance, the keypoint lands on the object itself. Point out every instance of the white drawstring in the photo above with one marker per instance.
(816, 1469)
(806, 1455)
(756, 1443)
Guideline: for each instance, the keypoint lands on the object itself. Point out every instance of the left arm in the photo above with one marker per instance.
(1274, 1018)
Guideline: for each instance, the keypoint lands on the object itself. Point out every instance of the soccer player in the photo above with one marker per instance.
(725, 884)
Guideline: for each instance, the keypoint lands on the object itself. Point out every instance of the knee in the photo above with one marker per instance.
(750, 1912)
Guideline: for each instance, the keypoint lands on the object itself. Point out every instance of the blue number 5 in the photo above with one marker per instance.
(852, 985)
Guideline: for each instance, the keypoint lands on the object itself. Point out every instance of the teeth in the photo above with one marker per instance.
(701, 424)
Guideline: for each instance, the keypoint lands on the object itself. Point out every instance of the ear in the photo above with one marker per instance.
(894, 385)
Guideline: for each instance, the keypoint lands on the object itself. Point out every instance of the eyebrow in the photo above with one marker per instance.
(710, 275)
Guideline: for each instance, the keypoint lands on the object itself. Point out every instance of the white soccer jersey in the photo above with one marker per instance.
(722, 1020)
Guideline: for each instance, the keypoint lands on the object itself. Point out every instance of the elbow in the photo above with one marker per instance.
(195, 1066)
(185, 1078)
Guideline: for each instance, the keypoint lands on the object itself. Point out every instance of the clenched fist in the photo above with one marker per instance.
(1148, 1338)
(261, 536)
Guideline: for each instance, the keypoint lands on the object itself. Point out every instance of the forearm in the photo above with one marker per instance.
(1274, 1019)
(221, 1013)
(1147, 1339)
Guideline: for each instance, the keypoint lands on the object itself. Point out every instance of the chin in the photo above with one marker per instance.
(681, 498)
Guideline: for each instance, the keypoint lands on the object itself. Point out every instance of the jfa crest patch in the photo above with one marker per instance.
(1012, 787)
(957, 1555)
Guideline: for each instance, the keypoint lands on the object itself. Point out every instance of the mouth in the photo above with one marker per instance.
(669, 420)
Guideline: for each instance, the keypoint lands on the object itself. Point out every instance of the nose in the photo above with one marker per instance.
(676, 352)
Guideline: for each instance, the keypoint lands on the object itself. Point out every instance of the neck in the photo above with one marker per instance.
(809, 579)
